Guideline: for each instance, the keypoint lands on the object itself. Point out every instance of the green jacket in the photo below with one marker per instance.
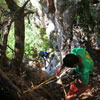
(85, 69)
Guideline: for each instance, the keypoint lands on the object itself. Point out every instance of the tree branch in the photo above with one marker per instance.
(11, 5)
(29, 12)
(10, 48)
(25, 4)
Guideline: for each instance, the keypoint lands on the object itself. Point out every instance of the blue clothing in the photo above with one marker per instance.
(42, 53)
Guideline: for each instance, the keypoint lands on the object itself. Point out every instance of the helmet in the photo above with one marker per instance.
(50, 50)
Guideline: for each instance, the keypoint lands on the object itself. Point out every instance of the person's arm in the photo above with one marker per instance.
(59, 70)
(49, 62)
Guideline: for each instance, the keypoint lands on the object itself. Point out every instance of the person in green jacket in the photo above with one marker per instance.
(83, 65)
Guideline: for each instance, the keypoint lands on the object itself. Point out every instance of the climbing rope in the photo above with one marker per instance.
(64, 89)
(48, 81)
(38, 86)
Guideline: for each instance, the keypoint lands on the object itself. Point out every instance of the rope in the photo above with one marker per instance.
(36, 87)
(64, 89)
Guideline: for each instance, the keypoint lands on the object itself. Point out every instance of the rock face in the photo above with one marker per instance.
(59, 20)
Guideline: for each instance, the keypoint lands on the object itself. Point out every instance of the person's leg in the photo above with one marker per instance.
(44, 62)
(73, 89)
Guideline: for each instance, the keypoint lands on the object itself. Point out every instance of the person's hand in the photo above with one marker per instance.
(70, 97)
(59, 81)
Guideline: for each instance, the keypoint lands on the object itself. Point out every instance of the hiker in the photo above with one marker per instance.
(82, 64)
(52, 65)
(44, 56)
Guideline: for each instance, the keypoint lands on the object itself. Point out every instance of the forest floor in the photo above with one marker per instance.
(54, 91)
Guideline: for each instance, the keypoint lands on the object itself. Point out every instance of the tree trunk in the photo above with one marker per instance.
(51, 6)
(19, 35)
(19, 40)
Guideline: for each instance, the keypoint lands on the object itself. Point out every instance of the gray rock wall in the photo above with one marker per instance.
(60, 22)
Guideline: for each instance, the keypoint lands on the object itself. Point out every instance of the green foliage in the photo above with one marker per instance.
(11, 42)
(3, 10)
(1, 38)
(21, 2)
(53, 36)
(3, 4)
(35, 38)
